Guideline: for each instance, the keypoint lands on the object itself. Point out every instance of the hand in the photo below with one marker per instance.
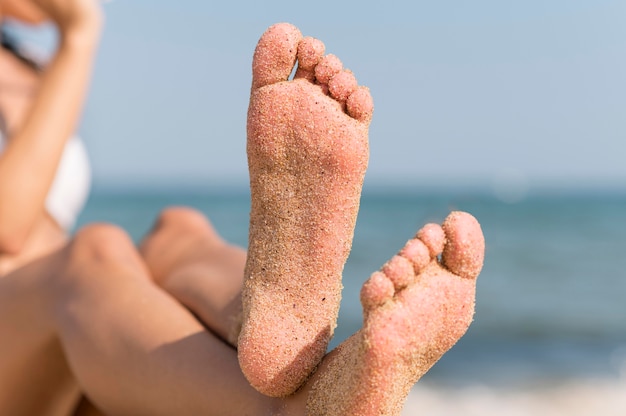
(70, 16)
(24, 11)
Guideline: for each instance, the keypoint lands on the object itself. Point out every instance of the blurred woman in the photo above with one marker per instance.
(68, 309)
(44, 182)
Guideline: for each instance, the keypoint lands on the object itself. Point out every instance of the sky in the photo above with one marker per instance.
(506, 94)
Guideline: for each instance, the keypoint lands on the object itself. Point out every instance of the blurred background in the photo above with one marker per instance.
(513, 111)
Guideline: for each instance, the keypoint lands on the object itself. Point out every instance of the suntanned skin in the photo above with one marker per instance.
(37, 143)
(414, 280)
(137, 348)
(41, 112)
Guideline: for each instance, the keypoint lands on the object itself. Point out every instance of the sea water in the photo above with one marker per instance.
(551, 299)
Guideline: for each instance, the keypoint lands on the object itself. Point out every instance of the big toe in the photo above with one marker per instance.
(275, 54)
(464, 250)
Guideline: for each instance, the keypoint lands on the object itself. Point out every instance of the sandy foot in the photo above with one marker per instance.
(415, 309)
(307, 154)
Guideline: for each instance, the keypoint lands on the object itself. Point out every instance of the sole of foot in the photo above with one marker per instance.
(415, 309)
(307, 155)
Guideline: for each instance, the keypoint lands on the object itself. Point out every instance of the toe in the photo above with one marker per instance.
(341, 85)
(310, 52)
(400, 271)
(327, 68)
(433, 237)
(464, 250)
(417, 253)
(275, 55)
(377, 290)
(360, 105)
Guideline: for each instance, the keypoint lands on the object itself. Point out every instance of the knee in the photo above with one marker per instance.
(101, 243)
(98, 260)
(181, 218)
(181, 224)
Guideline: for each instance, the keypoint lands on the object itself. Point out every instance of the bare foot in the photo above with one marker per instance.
(307, 154)
(415, 309)
(187, 258)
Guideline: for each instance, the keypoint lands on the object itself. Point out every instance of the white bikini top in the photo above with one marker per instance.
(71, 184)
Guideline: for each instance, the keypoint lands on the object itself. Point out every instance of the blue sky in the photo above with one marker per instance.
(481, 92)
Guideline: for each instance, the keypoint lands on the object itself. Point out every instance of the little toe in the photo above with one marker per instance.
(464, 250)
(275, 55)
(310, 52)
(433, 237)
(377, 290)
(360, 104)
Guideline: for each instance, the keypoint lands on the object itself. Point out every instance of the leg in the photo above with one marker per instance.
(415, 309)
(188, 259)
(34, 376)
(307, 154)
(133, 348)
(86, 408)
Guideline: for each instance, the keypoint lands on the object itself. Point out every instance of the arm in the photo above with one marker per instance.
(31, 157)
(23, 11)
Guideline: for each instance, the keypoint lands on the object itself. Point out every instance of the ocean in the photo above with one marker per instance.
(549, 335)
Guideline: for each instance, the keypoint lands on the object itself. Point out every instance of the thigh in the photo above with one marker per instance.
(34, 376)
(136, 350)
(86, 408)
